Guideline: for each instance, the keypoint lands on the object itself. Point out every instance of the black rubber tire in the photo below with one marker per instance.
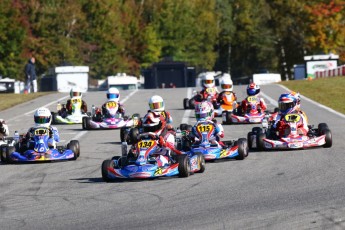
(73, 146)
(250, 143)
(183, 126)
(321, 127)
(123, 134)
(228, 117)
(3, 153)
(260, 141)
(191, 103)
(76, 143)
(183, 165)
(53, 118)
(257, 130)
(201, 162)
(328, 138)
(105, 165)
(185, 103)
(9, 151)
(86, 122)
(133, 135)
(242, 149)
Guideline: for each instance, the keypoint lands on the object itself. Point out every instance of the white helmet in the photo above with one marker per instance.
(43, 117)
(156, 103)
(113, 94)
(226, 84)
(75, 92)
(208, 80)
(204, 110)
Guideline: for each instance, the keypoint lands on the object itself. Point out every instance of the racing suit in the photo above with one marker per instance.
(54, 137)
(69, 107)
(261, 105)
(105, 112)
(279, 125)
(214, 138)
(3, 129)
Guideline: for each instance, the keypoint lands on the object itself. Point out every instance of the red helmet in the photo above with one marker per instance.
(153, 122)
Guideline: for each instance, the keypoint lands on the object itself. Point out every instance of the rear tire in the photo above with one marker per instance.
(53, 117)
(9, 151)
(260, 141)
(123, 134)
(242, 149)
(105, 165)
(228, 117)
(3, 153)
(183, 165)
(185, 103)
(133, 135)
(249, 138)
(191, 103)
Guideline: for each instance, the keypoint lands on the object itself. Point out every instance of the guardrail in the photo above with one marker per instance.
(340, 71)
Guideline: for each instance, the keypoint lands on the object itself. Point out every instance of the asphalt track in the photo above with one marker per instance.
(269, 190)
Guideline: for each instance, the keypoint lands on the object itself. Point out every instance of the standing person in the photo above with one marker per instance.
(3, 129)
(30, 75)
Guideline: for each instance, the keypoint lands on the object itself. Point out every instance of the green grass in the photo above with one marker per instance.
(326, 91)
(10, 99)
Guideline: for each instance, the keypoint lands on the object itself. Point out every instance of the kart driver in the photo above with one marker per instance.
(253, 90)
(209, 88)
(113, 100)
(156, 104)
(3, 129)
(227, 87)
(75, 93)
(155, 123)
(288, 104)
(42, 118)
(204, 114)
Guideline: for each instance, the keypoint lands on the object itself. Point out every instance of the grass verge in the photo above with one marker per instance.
(10, 99)
(326, 91)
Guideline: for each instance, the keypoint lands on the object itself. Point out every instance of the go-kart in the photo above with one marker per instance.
(145, 162)
(38, 150)
(227, 104)
(113, 120)
(266, 138)
(253, 115)
(76, 117)
(210, 95)
(235, 149)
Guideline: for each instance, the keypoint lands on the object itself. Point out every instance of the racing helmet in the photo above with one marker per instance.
(153, 122)
(42, 117)
(113, 94)
(298, 99)
(204, 110)
(253, 89)
(156, 103)
(208, 80)
(287, 103)
(75, 92)
(226, 84)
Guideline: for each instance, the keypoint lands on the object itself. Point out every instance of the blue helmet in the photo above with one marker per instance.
(253, 89)
(287, 103)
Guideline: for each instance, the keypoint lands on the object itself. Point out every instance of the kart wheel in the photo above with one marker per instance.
(76, 143)
(183, 126)
(86, 122)
(257, 130)
(9, 151)
(183, 165)
(133, 135)
(242, 149)
(328, 138)
(53, 117)
(228, 117)
(185, 103)
(260, 141)
(105, 165)
(3, 153)
(201, 162)
(123, 134)
(321, 127)
(191, 103)
(250, 142)
(72, 145)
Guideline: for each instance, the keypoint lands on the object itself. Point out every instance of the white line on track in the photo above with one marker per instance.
(270, 99)
(317, 104)
(187, 112)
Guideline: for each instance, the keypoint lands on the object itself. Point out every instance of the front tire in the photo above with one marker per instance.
(105, 165)
(73, 145)
(86, 122)
(328, 138)
(242, 149)
(201, 162)
(183, 166)
(9, 151)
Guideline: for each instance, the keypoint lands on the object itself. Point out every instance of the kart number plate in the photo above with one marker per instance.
(292, 117)
(204, 128)
(111, 105)
(210, 90)
(75, 100)
(145, 144)
(252, 99)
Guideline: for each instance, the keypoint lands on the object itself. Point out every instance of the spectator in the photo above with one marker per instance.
(30, 75)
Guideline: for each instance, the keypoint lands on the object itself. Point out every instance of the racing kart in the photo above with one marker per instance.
(145, 162)
(253, 115)
(266, 138)
(210, 94)
(234, 149)
(62, 117)
(39, 150)
(113, 121)
(228, 104)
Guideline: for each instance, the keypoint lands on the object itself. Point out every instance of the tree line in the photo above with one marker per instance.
(236, 36)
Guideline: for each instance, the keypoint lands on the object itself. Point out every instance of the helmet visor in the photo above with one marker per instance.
(76, 94)
(113, 95)
(208, 81)
(226, 86)
(285, 106)
(200, 116)
(42, 120)
(156, 105)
